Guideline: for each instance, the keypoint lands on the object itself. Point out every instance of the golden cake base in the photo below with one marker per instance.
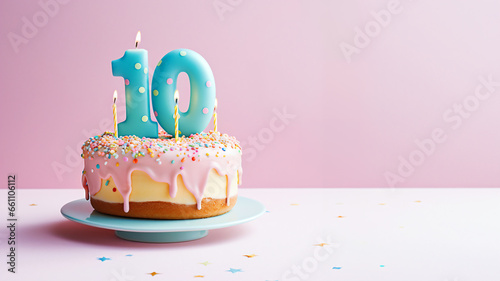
(166, 210)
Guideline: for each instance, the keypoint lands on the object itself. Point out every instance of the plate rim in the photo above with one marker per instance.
(164, 223)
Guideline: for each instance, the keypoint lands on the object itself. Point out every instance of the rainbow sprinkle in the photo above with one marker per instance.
(109, 146)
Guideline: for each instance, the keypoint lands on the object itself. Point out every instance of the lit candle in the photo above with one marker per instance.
(176, 114)
(114, 113)
(215, 116)
(133, 67)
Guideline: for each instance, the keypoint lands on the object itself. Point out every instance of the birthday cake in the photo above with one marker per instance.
(159, 178)
(141, 172)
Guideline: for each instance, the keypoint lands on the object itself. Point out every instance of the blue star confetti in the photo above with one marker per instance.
(336, 267)
(104, 259)
(234, 270)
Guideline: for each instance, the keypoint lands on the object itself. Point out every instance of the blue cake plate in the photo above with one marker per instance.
(162, 231)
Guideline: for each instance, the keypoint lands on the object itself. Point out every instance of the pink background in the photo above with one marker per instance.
(353, 116)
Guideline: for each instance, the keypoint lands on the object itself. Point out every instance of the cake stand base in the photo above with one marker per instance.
(161, 237)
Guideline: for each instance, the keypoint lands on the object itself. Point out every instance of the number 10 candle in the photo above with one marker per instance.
(133, 67)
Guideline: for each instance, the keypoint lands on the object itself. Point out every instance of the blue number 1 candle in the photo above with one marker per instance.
(133, 67)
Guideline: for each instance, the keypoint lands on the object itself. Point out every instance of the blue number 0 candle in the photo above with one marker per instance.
(133, 67)
(202, 98)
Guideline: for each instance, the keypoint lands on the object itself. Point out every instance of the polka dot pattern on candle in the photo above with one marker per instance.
(196, 67)
(205, 110)
(155, 92)
(127, 82)
(144, 118)
(134, 67)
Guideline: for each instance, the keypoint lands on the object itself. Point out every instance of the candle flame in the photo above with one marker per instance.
(115, 95)
(176, 96)
(137, 39)
(215, 106)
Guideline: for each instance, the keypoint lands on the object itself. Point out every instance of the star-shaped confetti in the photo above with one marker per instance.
(205, 263)
(382, 265)
(104, 259)
(294, 204)
(154, 273)
(200, 276)
(33, 205)
(129, 255)
(417, 201)
(234, 270)
(340, 217)
(381, 204)
(250, 256)
(336, 267)
(321, 244)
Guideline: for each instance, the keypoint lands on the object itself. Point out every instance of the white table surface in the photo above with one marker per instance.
(371, 234)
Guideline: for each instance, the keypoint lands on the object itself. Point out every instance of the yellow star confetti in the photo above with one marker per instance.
(417, 201)
(294, 204)
(321, 244)
(201, 276)
(154, 273)
(250, 256)
(33, 205)
(205, 263)
(340, 217)
(381, 203)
